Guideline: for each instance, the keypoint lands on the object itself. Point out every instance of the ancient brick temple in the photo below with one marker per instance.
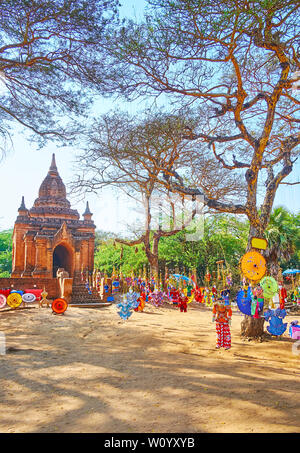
(51, 235)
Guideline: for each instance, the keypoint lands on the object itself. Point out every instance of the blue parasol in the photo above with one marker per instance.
(291, 271)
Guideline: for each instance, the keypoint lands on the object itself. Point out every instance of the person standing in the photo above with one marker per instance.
(222, 317)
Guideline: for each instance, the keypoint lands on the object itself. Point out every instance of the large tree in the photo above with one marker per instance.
(131, 153)
(234, 62)
(47, 55)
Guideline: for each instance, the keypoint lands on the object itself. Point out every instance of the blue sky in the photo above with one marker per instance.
(24, 168)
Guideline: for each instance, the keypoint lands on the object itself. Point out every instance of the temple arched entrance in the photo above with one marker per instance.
(62, 258)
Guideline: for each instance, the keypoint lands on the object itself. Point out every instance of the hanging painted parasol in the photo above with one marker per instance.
(2, 300)
(291, 272)
(253, 265)
(269, 286)
(14, 300)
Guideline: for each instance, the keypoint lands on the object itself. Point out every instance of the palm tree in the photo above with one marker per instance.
(283, 236)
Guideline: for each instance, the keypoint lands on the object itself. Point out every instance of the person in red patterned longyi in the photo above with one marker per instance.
(222, 317)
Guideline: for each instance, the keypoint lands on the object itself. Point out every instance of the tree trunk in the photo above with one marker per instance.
(252, 327)
(153, 261)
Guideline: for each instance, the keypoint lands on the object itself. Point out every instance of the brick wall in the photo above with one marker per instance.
(51, 284)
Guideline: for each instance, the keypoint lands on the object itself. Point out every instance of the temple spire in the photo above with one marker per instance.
(87, 209)
(23, 208)
(22, 204)
(87, 215)
(53, 167)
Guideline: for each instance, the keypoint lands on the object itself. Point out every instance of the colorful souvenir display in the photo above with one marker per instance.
(157, 298)
(5, 292)
(244, 299)
(2, 300)
(297, 295)
(294, 330)
(132, 298)
(35, 291)
(229, 279)
(14, 299)
(257, 301)
(282, 296)
(125, 308)
(209, 297)
(269, 286)
(183, 301)
(28, 297)
(222, 318)
(198, 296)
(253, 265)
(59, 306)
(275, 317)
(44, 300)
(225, 293)
(142, 302)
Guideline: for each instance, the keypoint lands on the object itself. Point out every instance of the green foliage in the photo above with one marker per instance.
(47, 52)
(283, 235)
(225, 238)
(5, 253)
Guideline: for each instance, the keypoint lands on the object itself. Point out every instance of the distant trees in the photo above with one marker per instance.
(283, 235)
(225, 238)
(5, 253)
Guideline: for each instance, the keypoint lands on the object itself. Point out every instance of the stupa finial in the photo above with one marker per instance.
(87, 209)
(22, 207)
(53, 166)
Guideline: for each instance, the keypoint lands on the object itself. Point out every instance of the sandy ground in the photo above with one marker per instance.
(158, 372)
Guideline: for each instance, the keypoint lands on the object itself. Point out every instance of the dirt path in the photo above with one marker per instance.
(89, 371)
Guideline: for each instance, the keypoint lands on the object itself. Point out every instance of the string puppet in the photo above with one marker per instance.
(282, 296)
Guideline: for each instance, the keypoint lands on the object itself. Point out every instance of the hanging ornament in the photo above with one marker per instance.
(244, 301)
(275, 317)
(253, 265)
(132, 298)
(157, 298)
(225, 293)
(207, 276)
(130, 302)
(269, 286)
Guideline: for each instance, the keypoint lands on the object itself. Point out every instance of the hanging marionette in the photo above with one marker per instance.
(182, 302)
(225, 293)
(207, 276)
(206, 294)
(257, 301)
(282, 295)
(222, 318)
(245, 286)
(198, 294)
(229, 279)
(214, 291)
